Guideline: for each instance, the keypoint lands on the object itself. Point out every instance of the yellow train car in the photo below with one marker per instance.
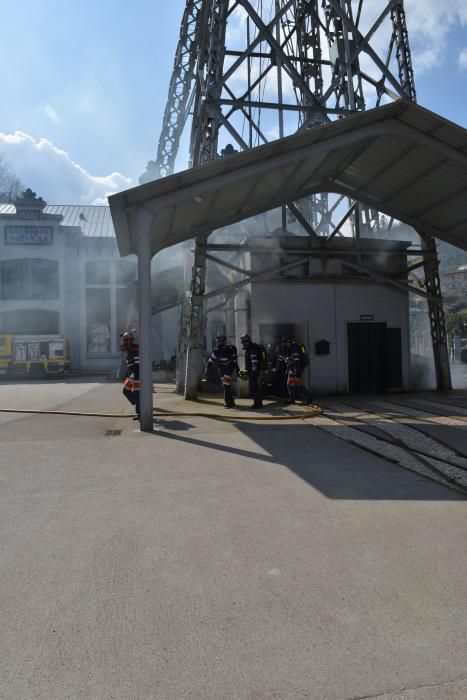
(35, 356)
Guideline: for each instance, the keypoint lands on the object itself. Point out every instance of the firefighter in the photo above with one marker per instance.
(290, 358)
(224, 357)
(131, 386)
(272, 380)
(253, 368)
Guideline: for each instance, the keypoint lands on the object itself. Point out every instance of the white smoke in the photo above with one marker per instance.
(462, 59)
(50, 172)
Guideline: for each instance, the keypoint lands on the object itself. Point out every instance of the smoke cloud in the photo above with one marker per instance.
(51, 172)
(462, 59)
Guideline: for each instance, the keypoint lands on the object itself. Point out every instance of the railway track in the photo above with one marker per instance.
(396, 437)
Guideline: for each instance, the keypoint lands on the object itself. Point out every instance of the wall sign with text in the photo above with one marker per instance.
(29, 235)
(31, 214)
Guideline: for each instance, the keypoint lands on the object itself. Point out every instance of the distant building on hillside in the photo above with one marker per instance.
(455, 280)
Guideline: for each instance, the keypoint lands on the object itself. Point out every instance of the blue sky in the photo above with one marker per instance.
(84, 85)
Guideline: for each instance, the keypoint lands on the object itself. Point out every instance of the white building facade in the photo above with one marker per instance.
(60, 273)
(356, 329)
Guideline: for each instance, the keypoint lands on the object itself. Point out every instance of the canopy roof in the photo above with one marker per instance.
(400, 159)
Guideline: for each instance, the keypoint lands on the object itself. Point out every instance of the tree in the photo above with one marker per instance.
(10, 185)
(455, 323)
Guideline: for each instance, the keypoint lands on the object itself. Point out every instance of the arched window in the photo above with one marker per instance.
(29, 279)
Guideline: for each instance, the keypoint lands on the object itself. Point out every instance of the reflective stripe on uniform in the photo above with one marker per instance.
(132, 384)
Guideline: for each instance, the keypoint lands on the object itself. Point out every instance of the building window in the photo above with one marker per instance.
(30, 322)
(123, 311)
(107, 303)
(29, 279)
(126, 271)
(98, 320)
(98, 272)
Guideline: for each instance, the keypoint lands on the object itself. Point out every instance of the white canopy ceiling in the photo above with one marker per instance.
(400, 159)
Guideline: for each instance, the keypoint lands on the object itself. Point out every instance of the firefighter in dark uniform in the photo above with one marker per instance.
(224, 357)
(289, 358)
(252, 369)
(131, 386)
(268, 373)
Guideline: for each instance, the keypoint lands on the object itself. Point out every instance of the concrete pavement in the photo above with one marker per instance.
(219, 560)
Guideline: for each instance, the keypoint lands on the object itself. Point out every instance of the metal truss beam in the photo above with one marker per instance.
(272, 272)
(183, 76)
(436, 314)
(296, 64)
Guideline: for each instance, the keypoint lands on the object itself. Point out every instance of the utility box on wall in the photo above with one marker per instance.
(322, 347)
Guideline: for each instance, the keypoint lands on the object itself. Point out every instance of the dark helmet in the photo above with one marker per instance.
(221, 339)
(286, 339)
(245, 340)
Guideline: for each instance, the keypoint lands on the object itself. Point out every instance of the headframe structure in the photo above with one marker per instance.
(249, 71)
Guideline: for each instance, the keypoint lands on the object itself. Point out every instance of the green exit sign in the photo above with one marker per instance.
(367, 317)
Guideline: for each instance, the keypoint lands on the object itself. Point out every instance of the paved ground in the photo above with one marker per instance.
(224, 559)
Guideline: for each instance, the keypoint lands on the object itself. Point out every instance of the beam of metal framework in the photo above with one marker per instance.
(180, 91)
(249, 71)
(185, 89)
(436, 314)
(204, 147)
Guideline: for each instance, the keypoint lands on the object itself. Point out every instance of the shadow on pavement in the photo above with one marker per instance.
(172, 424)
(336, 468)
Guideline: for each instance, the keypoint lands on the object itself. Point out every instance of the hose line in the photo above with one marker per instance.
(314, 411)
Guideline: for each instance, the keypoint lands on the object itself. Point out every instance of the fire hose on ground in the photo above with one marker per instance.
(313, 411)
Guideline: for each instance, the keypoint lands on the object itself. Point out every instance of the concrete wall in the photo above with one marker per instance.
(327, 308)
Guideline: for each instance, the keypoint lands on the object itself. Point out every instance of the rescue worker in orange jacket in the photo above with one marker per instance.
(289, 358)
(224, 357)
(131, 386)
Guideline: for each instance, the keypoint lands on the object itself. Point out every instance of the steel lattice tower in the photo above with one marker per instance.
(250, 71)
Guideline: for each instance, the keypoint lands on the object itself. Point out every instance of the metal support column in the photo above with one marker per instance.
(196, 323)
(436, 314)
(144, 324)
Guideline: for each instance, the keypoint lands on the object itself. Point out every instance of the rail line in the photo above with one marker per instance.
(457, 459)
(370, 430)
(460, 416)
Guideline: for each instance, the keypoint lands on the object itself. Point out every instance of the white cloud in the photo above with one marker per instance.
(236, 28)
(429, 23)
(462, 59)
(51, 172)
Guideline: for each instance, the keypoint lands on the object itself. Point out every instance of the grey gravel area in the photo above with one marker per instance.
(437, 454)
(398, 455)
(446, 430)
(420, 414)
(446, 406)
